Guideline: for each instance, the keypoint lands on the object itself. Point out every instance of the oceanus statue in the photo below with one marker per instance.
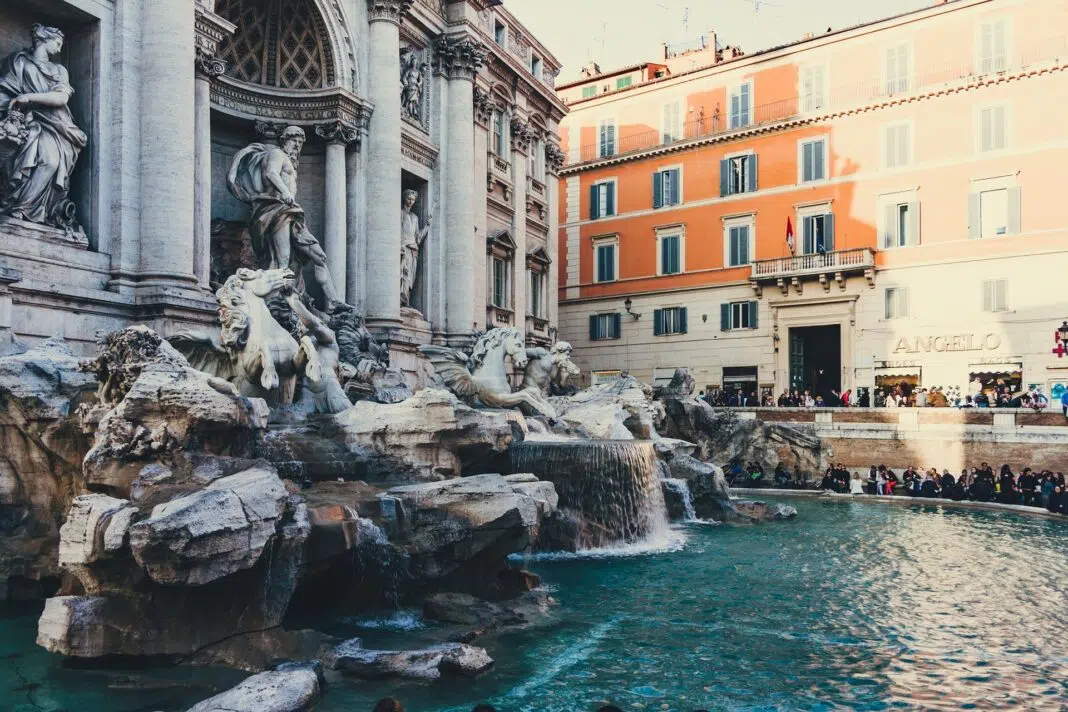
(481, 378)
(252, 349)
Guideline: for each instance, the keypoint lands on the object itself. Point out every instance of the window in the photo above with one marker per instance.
(607, 138)
(604, 326)
(536, 306)
(667, 187)
(602, 200)
(500, 283)
(669, 254)
(897, 145)
(500, 33)
(995, 295)
(991, 54)
(738, 174)
(897, 303)
(741, 105)
(589, 91)
(901, 224)
(817, 232)
(671, 320)
(898, 69)
(738, 241)
(624, 82)
(813, 159)
(500, 136)
(812, 92)
(671, 123)
(738, 315)
(991, 132)
(535, 66)
(605, 260)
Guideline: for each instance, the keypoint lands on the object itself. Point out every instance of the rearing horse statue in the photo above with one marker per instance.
(482, 378)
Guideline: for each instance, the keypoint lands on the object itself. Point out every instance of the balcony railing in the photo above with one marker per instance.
(845, 261)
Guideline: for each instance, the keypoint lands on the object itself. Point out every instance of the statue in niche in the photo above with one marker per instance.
(34, 97)
(265, 177)
(412, 236)
(412, 85)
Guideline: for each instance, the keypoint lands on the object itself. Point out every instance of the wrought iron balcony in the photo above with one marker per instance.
(793, 271)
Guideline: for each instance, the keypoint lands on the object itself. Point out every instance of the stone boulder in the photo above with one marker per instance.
(155, 408)
(433, 663)
(704, 482)
(430, 436)
(764, 511)
(621, 410)
(289, 690)
(41, 450)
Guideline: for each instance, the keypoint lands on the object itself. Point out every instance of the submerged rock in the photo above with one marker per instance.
(464, 609)
(291, 690)
(447, 659)
(764, 511)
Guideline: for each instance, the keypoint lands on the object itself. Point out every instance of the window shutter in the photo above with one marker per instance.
(675, 186)
(1013, 208)
(682, 320)
(604, 140)
(617, 330)
(658, 322)
(806, 161)
(752, 173)
(819, 149)
(611, 139)
(658, 189)
(1001, 297)
(890, 226)
(594, 203)
(753, 310)
(610, 204)
(594, 335)
(743, 245)
(988, 295)
(903, 302)
(914, 223)
(725, 317)
(724, 177)
(828, 232)
(975, 228)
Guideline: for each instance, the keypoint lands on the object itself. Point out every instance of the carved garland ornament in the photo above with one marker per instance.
(484, 107)
(522, 135)
(460, 57)
(554, 156)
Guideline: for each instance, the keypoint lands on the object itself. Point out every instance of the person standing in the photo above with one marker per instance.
(1064, 403)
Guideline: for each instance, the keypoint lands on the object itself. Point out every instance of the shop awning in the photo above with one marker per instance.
(898, 371)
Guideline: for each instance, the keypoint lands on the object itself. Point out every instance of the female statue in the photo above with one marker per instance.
(38, 89)
(412, 237)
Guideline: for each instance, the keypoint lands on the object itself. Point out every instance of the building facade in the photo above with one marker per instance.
(867, 207)
(413, 203)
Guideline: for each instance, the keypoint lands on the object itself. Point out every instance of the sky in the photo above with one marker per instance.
(621, 32)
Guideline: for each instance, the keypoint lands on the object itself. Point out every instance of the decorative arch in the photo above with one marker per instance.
(287, 44)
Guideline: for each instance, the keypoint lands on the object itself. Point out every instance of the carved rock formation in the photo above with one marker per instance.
(289, 690)
(709, 493)
(621, 410)
(41, 449)
(447, 659)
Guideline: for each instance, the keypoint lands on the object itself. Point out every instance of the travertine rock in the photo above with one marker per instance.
(452, 659)
(707, 485)
(96, 525)
(427, 437)
(291, 690)
(622, 410)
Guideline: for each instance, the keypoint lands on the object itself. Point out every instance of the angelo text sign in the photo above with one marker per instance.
(955, 342)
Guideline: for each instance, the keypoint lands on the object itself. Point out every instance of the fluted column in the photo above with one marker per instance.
(384, 164)
(459, 58)
(338, 135)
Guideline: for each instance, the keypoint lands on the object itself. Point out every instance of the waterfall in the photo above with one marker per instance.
(681, 489)
(612, 484)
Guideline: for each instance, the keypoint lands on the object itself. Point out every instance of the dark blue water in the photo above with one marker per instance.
(852, 606)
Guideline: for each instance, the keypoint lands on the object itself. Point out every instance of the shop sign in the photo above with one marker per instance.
(956, 342)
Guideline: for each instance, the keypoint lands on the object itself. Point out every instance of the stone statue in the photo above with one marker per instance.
(482, 378)
(325, 395)
(549, 370)
(253, 350)
(412, 86)
(34, 97)
(412, 237)
(265, 177)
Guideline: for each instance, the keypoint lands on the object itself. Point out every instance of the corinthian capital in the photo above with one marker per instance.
(522, 135)
(388, 10)
(337, 132)
(459, 57)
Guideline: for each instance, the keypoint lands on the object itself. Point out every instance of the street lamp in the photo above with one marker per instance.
(1062, 332)
(628, 303)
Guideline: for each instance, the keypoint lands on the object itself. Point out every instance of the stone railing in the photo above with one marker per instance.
(856, 260)
(998, 418)
(536, 187)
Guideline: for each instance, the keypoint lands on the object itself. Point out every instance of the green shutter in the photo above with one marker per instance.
(658, 322)
(658, 189)
(828, 232)
(675, 187)
(594, 333)
(725, 317)
(617, 331)
(752, 173)
(754, 308)
(593, 202)
(724, 178)
(682, 320)
(610, 205)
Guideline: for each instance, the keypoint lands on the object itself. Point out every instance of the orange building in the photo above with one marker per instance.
(917, 162)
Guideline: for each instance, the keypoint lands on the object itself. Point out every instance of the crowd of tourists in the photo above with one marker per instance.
(1029, 488)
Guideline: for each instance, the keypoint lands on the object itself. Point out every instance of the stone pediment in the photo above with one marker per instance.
(500, 239)
(538, 257)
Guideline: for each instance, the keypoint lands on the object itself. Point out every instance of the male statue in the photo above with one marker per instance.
(412, 237)
(549, 370)
(265, 177)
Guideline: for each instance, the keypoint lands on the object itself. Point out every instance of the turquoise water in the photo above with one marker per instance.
(852, 606)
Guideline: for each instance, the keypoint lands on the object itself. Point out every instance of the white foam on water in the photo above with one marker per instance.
(662, 542)
(400, 620)
(574, 654)
(682, 489)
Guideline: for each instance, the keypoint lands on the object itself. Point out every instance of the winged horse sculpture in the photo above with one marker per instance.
(482, 378)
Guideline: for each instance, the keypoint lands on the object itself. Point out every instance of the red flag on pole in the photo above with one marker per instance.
(790, 235)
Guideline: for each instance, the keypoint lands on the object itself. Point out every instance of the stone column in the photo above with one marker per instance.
(522, 135)
(8, 276)
(337, 134)
(210, 30)
(554, 161)
(484, 108)
(384, 164)
(459, 58)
